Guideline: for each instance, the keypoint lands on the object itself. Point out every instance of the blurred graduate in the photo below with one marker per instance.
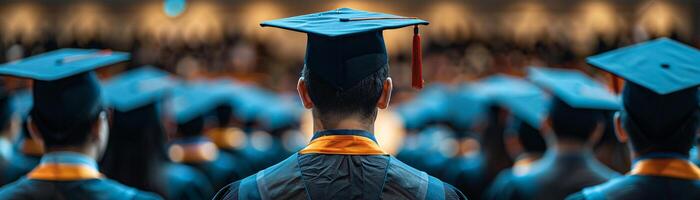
(659, 120)
(190, 105)
(344, 82)
(136, 151)
(69, 120)
(575, 116)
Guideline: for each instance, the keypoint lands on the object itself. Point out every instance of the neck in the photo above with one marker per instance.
(570, 146)
(350, 123)
(81, 150)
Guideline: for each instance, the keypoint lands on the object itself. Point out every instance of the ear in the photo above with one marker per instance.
(619, 130)
(304, 94)
(546, 127)
(101, 123)
(384, 99)
(597, 133)
(34, 131)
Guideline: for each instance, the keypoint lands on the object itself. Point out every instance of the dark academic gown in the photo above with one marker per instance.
(555, 176)
(180, 181)
(219, 166)
(505, 177)
(340, 164)
(66, 175)
(468, 174)
(424, 151)
(655, 178)
(263, 150)
(23, 159)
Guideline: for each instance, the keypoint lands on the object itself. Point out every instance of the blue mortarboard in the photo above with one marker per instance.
(62, 63)
(345, 45)
(249, 102)
(662, 65)
(190, 101)
(66, 92)
(280, 114)
(136, 88)
(575, 88)
(523, 99)
(661, 92)
(466, 107)
(430, 105)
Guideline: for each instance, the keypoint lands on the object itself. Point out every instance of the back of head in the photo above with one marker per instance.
(65, 110)
(191, 128)
(573, 123)
(332, 104)
(660, 123)
(530, 138)
(223, 115)
(136, 147)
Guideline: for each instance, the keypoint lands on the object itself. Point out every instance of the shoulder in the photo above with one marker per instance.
(453, 193)
(19, 188)
(120, 191)
(403, 177)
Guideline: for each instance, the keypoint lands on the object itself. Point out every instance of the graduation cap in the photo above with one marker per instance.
(190, 101)
(662, 65)
(466, 107)
(279, 114)
(523, 99)
(66, 92)
(662, 79)
(137, 87)
(574, 88)
(345, 45)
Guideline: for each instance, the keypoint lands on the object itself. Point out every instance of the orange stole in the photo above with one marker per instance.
(63, 172)
(667, 167)
(343, 145)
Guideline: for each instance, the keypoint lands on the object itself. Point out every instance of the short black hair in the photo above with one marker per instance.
(573, 123)
(332, 104)
(65, 110)
(192, 127)
(5, 110)
(530, 138)
(223, 114)
(660, 123)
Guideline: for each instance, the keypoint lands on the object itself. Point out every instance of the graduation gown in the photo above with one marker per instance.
(178, 181)
(655, 178)
(220, 167)
(22, 160)
(504, 179)
(555, 176)
(340, 164)
(67, 175)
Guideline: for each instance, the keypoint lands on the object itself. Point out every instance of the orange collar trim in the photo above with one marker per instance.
(227, 138)
(343, 145)
(63, 172)
(667, 167)
(193, 153)
(32, 148)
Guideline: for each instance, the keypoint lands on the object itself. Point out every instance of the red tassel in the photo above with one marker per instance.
(417, 61)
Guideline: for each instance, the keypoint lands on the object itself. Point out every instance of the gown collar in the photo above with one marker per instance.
(343, 142)
(65, 166)
(666, 165)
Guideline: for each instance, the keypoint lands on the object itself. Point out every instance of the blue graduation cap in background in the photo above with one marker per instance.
(137, 87)
(523, 99)
(662, 65)
(280, 113)
(574, 88)
(61, 63)
(345, 45)
(466, 108)
(196, 99)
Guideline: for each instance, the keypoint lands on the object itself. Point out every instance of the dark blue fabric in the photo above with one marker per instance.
(344, 132)
(248, 188)
(84, 189)
(641, 188)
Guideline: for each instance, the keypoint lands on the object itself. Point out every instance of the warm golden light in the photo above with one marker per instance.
(661, 18)
(200, 23)
(593, 19)
(449, 21)
(23, 21)
(85, 21)
(527, 21)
